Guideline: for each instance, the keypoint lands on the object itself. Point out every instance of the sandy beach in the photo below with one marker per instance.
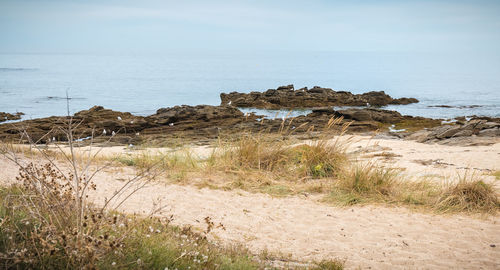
(302, 229)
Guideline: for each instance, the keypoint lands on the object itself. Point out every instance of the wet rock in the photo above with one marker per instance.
(458, 107)
(8, 116)
(287, 97)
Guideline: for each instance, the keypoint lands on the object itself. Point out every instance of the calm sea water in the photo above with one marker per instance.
(36, 84)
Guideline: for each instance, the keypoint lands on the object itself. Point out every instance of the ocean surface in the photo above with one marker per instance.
(140, 83)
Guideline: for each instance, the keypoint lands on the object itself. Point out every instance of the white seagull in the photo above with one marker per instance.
(119, 118)
(104, 132)
(171, 124)
(229, 103)
(113, 133)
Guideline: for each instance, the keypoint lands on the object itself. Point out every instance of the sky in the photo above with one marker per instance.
(54, 26)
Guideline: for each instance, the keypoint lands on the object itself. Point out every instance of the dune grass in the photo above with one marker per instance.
(275, 164)
(282, 168)
(468, 195)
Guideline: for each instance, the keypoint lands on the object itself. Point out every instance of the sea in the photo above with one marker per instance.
(37, 84)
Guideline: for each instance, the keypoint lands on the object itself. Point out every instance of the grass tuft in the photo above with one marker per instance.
(330, 265)
(469, 195)
(368, 179)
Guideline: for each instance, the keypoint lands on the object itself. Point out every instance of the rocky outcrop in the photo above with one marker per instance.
(203, 122)
(192, 121)
(473, 132)
(8, 116)
(200, 113)
(376, 115)
(96, 121)
(288, 97)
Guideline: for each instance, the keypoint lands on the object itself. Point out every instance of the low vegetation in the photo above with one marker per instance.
(468, 195)
(47, 222)
(33, 237)
(275, 164)
(416, 124)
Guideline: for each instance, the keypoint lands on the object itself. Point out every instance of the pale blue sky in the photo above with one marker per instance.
(312, 25)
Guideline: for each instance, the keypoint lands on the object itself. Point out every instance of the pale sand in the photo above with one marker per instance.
(446, 163)
(377, 237)
(431, 161)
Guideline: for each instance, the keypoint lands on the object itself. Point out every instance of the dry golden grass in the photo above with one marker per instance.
(275, 164)
(468, 195)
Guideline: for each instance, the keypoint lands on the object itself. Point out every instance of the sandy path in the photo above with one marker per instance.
(377, 237)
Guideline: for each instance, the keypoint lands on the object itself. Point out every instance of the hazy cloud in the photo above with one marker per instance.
(52, 25)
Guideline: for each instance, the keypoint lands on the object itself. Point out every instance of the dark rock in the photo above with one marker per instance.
(377, 115)
(86, 123)
(287, 97)
(203, 120)
(458, 107)
(288, 87)
(204, 113)
(404, 101)
(8, 116)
